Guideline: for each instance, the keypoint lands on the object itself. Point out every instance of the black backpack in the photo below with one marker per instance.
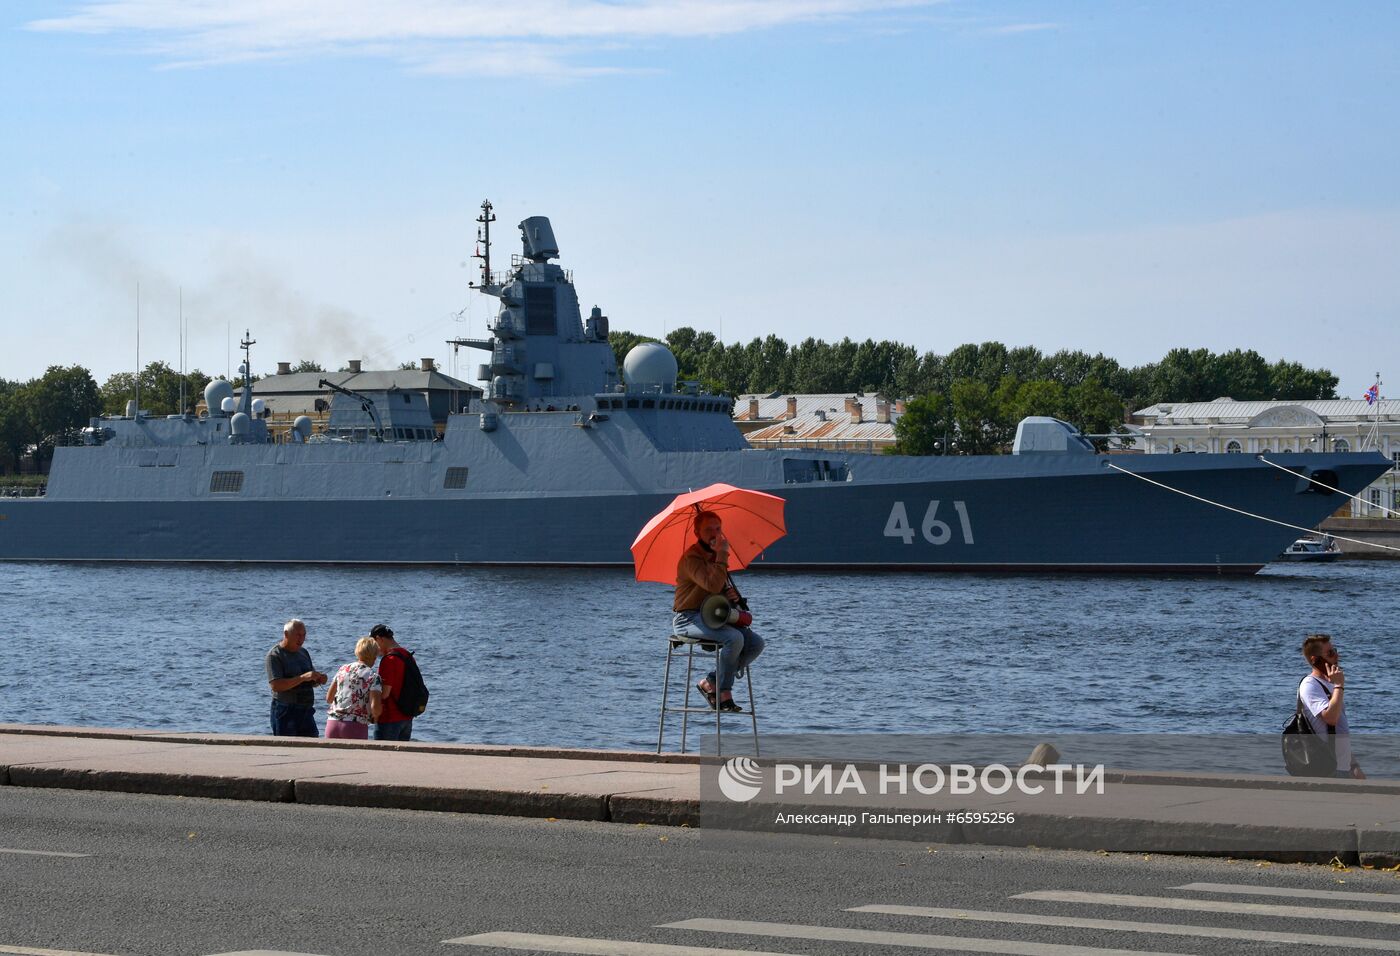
(1305, 754)
(413, 695)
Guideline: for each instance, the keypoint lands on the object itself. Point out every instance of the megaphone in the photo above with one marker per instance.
(718, 612)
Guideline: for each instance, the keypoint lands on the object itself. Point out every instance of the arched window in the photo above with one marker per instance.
(1232, 448)
(1341, 445)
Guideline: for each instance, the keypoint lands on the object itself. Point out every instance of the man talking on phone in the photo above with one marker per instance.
(1324, 700)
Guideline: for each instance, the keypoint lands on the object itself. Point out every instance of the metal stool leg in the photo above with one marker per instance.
(719, 741)
(753, 710)
(685, 714)
(665, 686)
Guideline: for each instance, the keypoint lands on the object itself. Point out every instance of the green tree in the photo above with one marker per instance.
(769, 369)
(16, 430)
(1041, 397)
(160, 390)
(307, 365)
(924, 428)
(1291, 381)
(1024, 363)
(1095, 410)
(1242, 375)
(980, 423)
(1185, 375)
(64, 398)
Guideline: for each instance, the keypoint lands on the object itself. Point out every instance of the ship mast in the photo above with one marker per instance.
(247, 346)
(483, 250)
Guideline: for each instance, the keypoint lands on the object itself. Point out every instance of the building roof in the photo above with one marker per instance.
(812, 429)
(774, 405)
(1227, 411)
(308, 383)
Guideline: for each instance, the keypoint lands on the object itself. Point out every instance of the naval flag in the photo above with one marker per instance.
(1373, 393)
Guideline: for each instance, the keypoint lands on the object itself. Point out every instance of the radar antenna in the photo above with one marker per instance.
(483, 245)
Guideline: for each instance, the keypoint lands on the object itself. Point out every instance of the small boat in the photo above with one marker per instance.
(1312, 549)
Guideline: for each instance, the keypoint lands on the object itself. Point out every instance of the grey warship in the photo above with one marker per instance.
(563, 459)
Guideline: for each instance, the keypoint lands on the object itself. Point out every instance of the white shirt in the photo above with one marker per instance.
(1317, 694)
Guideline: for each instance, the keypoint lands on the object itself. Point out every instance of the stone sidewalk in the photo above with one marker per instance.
(1261, 817)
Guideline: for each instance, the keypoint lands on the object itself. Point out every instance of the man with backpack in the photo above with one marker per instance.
(405, 695)
(1322, 693)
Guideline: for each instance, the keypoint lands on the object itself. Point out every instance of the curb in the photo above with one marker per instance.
(161, 784)
(562, 806)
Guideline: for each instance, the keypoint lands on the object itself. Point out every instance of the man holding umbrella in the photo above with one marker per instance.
(703, 571)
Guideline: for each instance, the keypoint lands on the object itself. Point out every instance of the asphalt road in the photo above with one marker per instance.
(163, 875)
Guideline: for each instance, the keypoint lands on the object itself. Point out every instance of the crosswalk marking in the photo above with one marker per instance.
(1127, 926)
(959, 944)
(1212, 906)
(1245, 889)
(594, 947)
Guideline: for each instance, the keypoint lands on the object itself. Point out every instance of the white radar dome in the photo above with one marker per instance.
(302, 426)
(650, 365)
(215, 393)
(259, 406)
(228, 404)
(240, 425)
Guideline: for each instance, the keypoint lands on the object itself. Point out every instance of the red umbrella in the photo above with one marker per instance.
(752, 521)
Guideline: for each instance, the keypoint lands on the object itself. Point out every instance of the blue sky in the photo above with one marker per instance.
(1123, 177)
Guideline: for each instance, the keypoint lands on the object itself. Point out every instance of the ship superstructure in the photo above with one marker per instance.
(562, 460)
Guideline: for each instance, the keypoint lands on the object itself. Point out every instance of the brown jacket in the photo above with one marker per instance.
(698, 575)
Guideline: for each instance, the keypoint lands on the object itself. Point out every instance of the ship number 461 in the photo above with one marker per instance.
(934, 529)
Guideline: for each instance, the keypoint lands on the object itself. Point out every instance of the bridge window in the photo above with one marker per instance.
(455, 480)
(226, 482)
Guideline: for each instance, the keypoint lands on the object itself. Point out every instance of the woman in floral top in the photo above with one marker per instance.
(354, 695)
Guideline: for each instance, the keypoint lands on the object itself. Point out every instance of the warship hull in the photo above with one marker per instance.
(1068, 513)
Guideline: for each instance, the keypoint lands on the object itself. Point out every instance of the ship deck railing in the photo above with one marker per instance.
(23, 491)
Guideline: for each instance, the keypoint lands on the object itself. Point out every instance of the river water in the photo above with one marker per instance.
(574, 657)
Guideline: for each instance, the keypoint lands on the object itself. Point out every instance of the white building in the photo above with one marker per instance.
(1225, 425)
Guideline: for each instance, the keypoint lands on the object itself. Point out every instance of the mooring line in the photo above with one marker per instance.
(1248, 514)
(1323, 484)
